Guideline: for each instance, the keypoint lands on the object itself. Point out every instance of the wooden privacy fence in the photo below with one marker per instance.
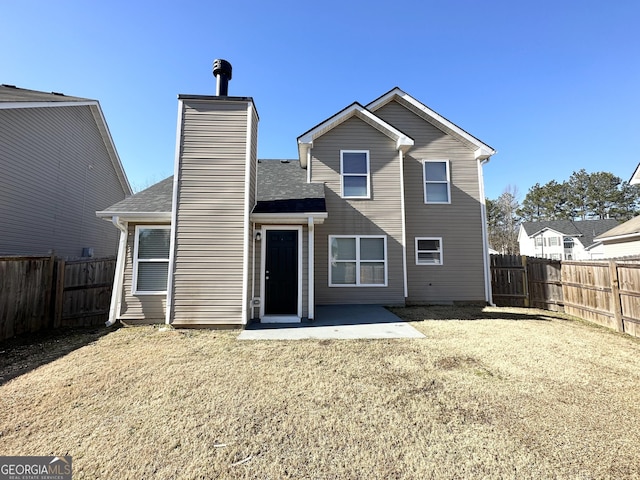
(606, 292)
(520, 281)
(40, 292)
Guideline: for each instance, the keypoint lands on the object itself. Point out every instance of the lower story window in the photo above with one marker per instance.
(428, 251)
(357, 260)
(151, 259)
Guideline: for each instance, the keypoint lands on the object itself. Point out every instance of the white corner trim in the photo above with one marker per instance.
(485, 237)
(174, 212)
(247, 214)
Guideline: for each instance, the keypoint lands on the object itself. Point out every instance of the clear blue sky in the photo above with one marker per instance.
(554, 86)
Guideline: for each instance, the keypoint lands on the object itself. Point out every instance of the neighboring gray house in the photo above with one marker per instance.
(563, 239)
(59, 165)
(385, 205)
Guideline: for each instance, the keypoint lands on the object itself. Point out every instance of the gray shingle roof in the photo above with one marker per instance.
(283, 188)
(584, 230)
(155, 199)
(10, 93)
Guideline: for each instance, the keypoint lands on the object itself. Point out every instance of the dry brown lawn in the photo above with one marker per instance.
(487, 394)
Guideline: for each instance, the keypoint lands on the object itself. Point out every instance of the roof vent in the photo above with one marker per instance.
(222, 72)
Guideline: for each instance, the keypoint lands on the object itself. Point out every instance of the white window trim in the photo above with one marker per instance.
(342, 175)
(448, 181)
(134, 285)
(357, 261)
(441, 251)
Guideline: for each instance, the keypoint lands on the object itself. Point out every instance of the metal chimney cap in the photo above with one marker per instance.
(222, 67)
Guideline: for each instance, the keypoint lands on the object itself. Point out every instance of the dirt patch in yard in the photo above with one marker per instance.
(26, 352)
(512, 394)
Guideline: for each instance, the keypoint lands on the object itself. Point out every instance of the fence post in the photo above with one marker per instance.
(527, 302)
(49, 293)
(615, 295)
(59, 294)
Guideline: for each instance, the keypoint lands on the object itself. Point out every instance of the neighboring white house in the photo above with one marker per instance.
(564, 239)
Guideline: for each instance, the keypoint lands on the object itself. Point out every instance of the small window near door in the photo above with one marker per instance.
(151, 259)
(429, 251)
(354, 168)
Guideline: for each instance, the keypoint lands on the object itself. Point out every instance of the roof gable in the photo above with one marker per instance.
(12, 97)
(628, 229)
(305, 141)
(584, 230)
(635, 178)
(481, 150)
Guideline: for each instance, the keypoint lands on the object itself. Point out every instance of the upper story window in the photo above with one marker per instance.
(151, 259)
(354, 169)
(568, 242)
(437, 187)
(554, 241)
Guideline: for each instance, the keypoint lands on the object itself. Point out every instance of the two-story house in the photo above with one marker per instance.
(384, 205)
(58, 165)
(563, 239)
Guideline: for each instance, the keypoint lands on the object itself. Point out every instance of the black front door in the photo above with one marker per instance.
(281, 273)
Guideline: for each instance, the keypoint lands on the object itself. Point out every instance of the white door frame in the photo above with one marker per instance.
(263, 260)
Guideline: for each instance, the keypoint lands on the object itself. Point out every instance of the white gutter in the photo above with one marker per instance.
(485, 236)
(116, 291)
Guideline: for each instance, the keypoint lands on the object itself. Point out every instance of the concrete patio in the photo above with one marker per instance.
(337, 322)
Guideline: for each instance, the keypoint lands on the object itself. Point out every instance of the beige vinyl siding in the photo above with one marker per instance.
(379, 215)
(56, 173)
(621, 248)
(210, 215)
(145, 308)
(461, 277)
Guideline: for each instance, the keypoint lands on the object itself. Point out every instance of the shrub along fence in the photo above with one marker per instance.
(39, 292)
(606, 292)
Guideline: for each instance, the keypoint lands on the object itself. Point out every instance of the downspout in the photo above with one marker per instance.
(485, 236)
(253, 273)
(116, 291)
(404, 228)
(310, 273)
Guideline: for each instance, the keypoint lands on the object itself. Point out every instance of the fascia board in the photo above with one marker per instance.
(103, 127)
(14, 105)
(625, 236)
(292, 218)
(136, 216)
(635, 178)
(356, 109)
